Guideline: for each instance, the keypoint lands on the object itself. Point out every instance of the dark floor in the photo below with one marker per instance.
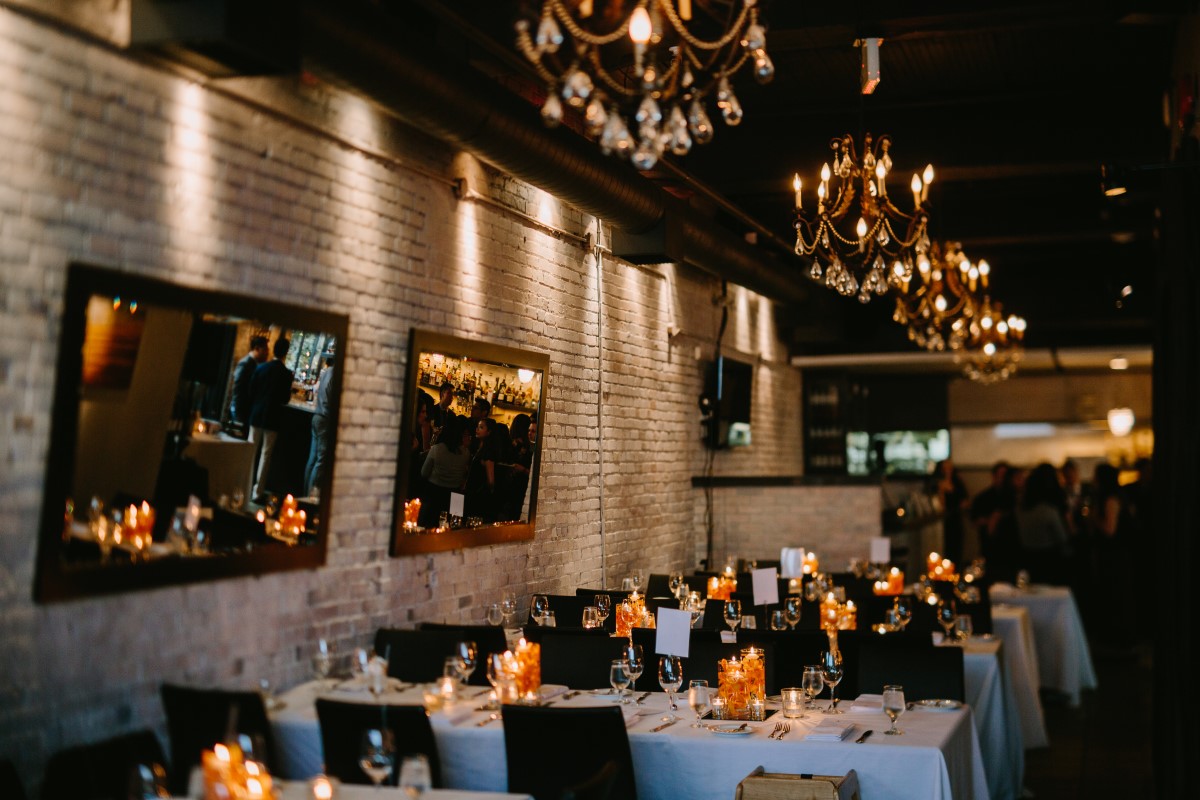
(1103, 748)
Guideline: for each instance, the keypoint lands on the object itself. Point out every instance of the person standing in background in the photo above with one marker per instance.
(239, 401)
(951, 492)
(270, 391)
(318, 454)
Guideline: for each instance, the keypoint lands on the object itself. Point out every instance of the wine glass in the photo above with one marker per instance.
(698, 699)
(539, 606)
(793, 604)
(603, 603)
(591, 617)
(831, 670)
(813, 682)
(498, 676)
(694, 605)
(893, 706)
(675, 582)
(964, 626)
(635, 581)
(415, 776)
(468, 654)
(733, 614)
(377, 755)
(495, 615)
(455, 668)
(903, 606)
(636, 663)
(779, 620)
(322, 661)
(946, 615)
(549, 620)
(508, 607)
(618, 678)
(670, 678)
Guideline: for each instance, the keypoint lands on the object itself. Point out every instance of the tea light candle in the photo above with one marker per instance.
(254, 787)
(758, 708)
(718, 707)
(322, 789)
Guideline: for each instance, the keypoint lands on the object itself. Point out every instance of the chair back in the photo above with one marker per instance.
(615, 598)
(760, 785)
(342, 726)
(419, 656)
(549, 750)
(10, 781)
(199, 718)
(597, 787)
(578, 658)
(568, 610)
(98, 771)
(793, 650)
(487, 639)
(926, 672)
(705, 649)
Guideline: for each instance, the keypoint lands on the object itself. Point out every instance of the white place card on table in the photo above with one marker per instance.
(881, 550)
(728, 637)
(766, 586)
(673, 632)
(456, 504)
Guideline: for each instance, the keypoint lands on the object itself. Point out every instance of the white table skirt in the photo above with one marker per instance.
(1013, 626)
(1063, 657)
(990, 695)
(938, 758)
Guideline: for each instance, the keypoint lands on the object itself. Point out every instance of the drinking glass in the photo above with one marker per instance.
(892, 620)
(793, 702)
(322, 661)
(498, 677)
(963, 627)
(675, 582)
(779, 621)
(793, 604)
(635, 580)
(455, 669)
(618, 677)
(893, 706)
(733, 614)
(813, 682)
(632, 653)
(469, 655)
(538, 607)
(508, 606)
(698, 699)
(377, 755)
(550, 620)
(670, 678)
(603, 602)
(812, 591)
(903, 606)
(495, 615)
(694, 605)
(591, 617)
(831, 670)
(946, 614)
(415, 776)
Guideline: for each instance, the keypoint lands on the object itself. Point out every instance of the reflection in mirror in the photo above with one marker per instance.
(469, 459)
(197, 432)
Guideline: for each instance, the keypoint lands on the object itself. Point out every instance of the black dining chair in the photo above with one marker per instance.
(568, 610)
(615, 598)
(10, 781)
(595, 787)
(578, 658)
(793, 650)
(342, 726)
(419, 656)
(199, 718)
(925, 671)
(101, 770)
(705, 649)
(572, 744)
(487, 639)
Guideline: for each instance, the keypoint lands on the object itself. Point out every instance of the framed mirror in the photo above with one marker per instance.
(192, 438)
(469, 446)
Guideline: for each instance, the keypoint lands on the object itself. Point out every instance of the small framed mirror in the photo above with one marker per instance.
(193, 436)
(469, 451)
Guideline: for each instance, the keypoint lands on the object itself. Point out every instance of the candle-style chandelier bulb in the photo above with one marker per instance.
(640, 27)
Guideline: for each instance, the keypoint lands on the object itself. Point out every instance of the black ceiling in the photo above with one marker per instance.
(1017, 106)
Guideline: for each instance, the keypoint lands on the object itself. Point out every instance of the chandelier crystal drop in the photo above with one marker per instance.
(856, 231)
(651, 69)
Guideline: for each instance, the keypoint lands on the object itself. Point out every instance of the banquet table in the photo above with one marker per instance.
(990, 695)
(300, 790)
(1013, 626)
(938, 758)
(228, 460)
(1063, 657)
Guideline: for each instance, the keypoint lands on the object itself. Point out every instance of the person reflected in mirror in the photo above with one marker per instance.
(441, 412)
(270, 391)
(318, 452)
(239, 400)
(522, 463)
(444, 470)
(533, 429)
(481, 479)
(480, 411)
(420, 443)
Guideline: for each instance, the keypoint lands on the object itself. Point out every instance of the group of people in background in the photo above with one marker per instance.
(1051, 524)
(486, 460)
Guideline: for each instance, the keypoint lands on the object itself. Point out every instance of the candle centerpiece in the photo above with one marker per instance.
(811, 564)
(412, 512)
(940, 569)
(632, 613)
(292, 520)
(523, 668)
(741, 684)
(891, 584)
(229, 775)
(836, 615)
(721, 587)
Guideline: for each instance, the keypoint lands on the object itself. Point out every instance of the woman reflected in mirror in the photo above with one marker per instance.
(445, 470)
(481, 480)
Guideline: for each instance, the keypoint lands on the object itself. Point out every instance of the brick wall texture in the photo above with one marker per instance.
(107, 160)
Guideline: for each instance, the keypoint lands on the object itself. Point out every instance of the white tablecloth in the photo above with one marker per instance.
(1063, 657)
(938, 758)
(990, 695)
(1013, 626)
(227, 459)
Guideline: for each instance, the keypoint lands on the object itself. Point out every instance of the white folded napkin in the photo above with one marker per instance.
(548, 690)
(830, 730)
(868, 702)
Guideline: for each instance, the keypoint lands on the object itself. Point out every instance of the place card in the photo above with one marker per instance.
(881, 550)
(456, 504)
(766, 587)
(728, 637)
(791, 562)
(673, 633)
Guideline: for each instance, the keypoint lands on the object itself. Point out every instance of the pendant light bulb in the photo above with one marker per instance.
(640, 27)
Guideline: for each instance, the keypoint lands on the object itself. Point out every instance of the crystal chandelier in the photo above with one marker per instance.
(884, 237)
(937, 301)
(642, 78)
(992, 348)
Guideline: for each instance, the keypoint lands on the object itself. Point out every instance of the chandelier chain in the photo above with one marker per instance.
(582, 35)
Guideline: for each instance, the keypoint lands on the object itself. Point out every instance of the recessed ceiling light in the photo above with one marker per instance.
(1119, 362)
(1126, 290)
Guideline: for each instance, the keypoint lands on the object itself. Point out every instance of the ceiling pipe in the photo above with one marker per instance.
(361, 49)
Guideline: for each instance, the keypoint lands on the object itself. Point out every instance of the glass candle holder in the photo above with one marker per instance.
(793, 702)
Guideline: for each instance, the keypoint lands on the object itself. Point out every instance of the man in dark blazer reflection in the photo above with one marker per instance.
(270, 391)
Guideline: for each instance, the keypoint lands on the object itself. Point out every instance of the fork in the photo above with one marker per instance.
(787, 728)
(778, 728)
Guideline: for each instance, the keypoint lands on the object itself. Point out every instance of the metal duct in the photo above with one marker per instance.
(360, 49)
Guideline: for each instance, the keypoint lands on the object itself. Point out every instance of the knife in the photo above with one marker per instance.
(664, 726)
(864, 737)
(643, 697)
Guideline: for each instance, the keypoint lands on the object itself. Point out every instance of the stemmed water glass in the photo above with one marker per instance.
(508, 607)
(635, 663)
(468, 654)
(636, 581)
(793, 604)
(538, 608)
(618, 678)
(903, 606)
(779, 620)
(694, 606)
(415, 776)
(946, 616)
(893, 706)
(322, 661)
(670, 678)
(377, 756)
(603, 603)
(591, 617)
(495, 614)
(831, 671)
(813, 682)
(733, 614)
(675, 582)
(698, 699)
(498, 676)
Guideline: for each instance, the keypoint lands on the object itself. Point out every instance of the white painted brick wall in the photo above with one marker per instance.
(105, 160)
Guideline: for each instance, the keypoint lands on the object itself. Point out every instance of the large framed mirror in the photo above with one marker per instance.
(469, 451)
(193, 436)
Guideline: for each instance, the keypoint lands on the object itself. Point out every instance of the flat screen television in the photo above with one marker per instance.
(726, 403)
(900, 453)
